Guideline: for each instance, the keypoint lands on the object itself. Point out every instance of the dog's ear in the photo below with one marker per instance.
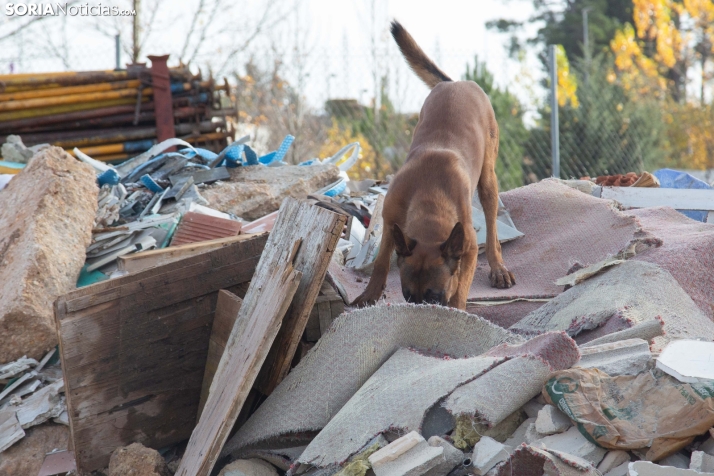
(403, 244)
(453, 247)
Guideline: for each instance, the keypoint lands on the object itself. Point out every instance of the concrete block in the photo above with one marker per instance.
(519, 436)
(551, 420)
(701, 462)
(574, 443)
(411, 455)
(612, 460)
(532, 408)
(626, 357)
(645, 468)
(46, 216)
(619, 470)
(487, 454)
(451, 458)
(395, 449)
(677, 460)
(532, 434)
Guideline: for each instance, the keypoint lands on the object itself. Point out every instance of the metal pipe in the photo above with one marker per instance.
(39, 112)
(554, 127)
(84, 138)
(98, 121)
(89, 88)
(72, 99)
(117, 50)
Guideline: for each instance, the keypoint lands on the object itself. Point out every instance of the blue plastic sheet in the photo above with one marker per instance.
(669, 178)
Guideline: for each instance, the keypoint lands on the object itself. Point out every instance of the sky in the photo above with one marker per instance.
(326, 45)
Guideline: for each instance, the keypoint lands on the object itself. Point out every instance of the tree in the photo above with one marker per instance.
(561, 24)
(668, 37)
(512, 131)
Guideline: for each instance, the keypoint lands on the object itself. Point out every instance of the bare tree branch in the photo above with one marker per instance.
(191, 29)
(204, 30)
(29, 23)
(148, 29)
(260, 26)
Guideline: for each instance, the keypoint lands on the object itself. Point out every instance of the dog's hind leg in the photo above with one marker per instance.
(488, 195)
(378, 280)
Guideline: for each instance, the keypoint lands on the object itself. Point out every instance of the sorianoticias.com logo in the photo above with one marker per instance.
(57, 9)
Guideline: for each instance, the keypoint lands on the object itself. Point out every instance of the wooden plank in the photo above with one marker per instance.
(320, 230)
(268, 298)
(642, 197)
(148, 259)
(227, 309)
(134, 349)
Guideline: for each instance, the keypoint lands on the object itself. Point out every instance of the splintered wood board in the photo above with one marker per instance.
(134, 350)
(315, 230)
(227, 309)
(321, 229)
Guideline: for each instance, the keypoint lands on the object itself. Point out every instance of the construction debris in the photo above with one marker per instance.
(137, 460)
(209, 322)
(46, 216)
(688, 361)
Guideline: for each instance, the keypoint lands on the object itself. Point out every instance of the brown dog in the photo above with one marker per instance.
(427, 210)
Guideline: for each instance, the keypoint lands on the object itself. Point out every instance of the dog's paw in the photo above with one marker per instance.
(502, 278)
(364, 300)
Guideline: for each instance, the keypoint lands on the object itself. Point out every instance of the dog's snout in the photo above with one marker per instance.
(432, 297)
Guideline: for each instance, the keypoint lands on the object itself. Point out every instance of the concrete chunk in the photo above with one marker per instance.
(417, 461)
(532, 434)
(626, 357)
(136, 459)
(451, 458)
(254, 191)
(395, 449)
(519, 436)
(701, 462)
(574, 443)
(487, 454)
(645, 468)
(612, 460)
(46, 217)
(619, 470)
(551, 420)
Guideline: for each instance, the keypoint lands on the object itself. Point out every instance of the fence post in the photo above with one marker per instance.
(117, 48)
(554, 130)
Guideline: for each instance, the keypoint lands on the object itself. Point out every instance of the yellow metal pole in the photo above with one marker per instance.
(47, 111)
(45, 78)
(89, 88)
(72, 99)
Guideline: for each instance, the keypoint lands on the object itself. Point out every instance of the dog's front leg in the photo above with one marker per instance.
(378, 280)
(488, 195)
(466, 272)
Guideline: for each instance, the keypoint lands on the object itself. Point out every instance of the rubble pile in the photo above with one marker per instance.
(186, 279)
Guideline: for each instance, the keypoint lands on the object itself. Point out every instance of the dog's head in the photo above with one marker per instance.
(429, 272)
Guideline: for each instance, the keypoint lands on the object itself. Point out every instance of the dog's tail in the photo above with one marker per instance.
(417, 59)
